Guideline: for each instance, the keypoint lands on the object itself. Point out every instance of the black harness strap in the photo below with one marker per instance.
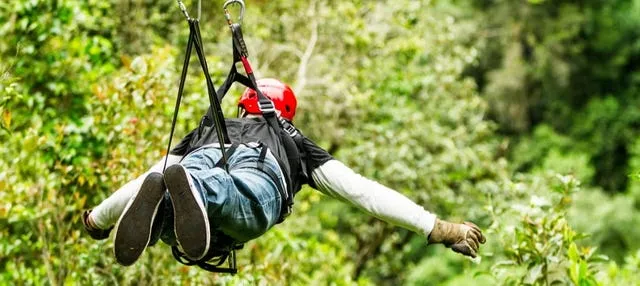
(284, 194)
(212, 261)
(265, 104)
(238, 54)
(214, 103)
(183, 77)
(215, 109)
(216, 115)
(266, 107)
(263, 154)
(221, 163)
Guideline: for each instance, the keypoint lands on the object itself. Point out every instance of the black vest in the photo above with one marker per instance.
(286, 149)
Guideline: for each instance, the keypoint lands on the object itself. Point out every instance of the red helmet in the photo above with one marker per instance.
(281, 94)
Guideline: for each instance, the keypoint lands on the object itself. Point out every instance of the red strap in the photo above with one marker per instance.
(247, 66)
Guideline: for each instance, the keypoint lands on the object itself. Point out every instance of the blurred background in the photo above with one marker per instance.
(522, 116)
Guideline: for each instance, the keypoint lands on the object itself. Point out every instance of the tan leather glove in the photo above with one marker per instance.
(461, 238)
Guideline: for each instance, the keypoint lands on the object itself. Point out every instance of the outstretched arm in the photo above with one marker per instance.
(335, 179)
(339, 181)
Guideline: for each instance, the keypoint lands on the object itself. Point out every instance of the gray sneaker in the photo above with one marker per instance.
(191, 223)
(133, 230)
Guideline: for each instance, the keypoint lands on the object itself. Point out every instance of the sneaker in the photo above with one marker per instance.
(158, 222)
(94, 232)
(191, 223)
(133, 230)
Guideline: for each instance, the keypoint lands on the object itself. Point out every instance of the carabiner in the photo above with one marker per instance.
(184, 10)
(227, 15)
(186, 14)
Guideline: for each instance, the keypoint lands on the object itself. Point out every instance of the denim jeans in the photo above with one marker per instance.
(243, 203)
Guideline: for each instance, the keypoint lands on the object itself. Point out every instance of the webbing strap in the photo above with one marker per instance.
(240, 55)
(217, 116)
(221, 163)
(183, 77)
(233, 75)
(284, 194)
(195, 40)
(210, 263)
(263, 154)
(240, 51)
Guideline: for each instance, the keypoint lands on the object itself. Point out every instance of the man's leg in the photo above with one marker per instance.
(134, 205)
(191, 223)
(243, 203)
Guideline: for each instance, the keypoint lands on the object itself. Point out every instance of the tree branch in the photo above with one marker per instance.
(301, 78)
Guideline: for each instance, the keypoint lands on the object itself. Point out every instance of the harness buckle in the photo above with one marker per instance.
(267, 110)
(292, 131)
(266, 106)
(288, 127)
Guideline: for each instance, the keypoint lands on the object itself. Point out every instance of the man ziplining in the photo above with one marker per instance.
(244, 203)
(230, 184)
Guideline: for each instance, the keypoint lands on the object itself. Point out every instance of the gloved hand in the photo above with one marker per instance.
(461, 238)
(94, 232)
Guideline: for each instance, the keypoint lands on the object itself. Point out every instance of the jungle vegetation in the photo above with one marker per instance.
(521, 116)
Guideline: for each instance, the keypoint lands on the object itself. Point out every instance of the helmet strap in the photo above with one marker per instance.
(241, 112)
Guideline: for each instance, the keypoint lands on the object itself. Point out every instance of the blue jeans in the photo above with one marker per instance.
(243, 203)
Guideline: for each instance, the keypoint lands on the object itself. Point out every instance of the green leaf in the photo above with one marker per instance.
(573, 253)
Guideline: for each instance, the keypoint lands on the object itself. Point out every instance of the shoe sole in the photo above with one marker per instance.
(134, 227)
(191, 223)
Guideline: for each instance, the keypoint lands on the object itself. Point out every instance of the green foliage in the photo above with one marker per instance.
(634, 170)
(542, 241)
(627, 274)
(569, 66)
(86, 98)
(56, 48)
(561, 80)
(608, 220)
(558, 153)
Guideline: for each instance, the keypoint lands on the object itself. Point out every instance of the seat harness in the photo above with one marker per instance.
(223, 247)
